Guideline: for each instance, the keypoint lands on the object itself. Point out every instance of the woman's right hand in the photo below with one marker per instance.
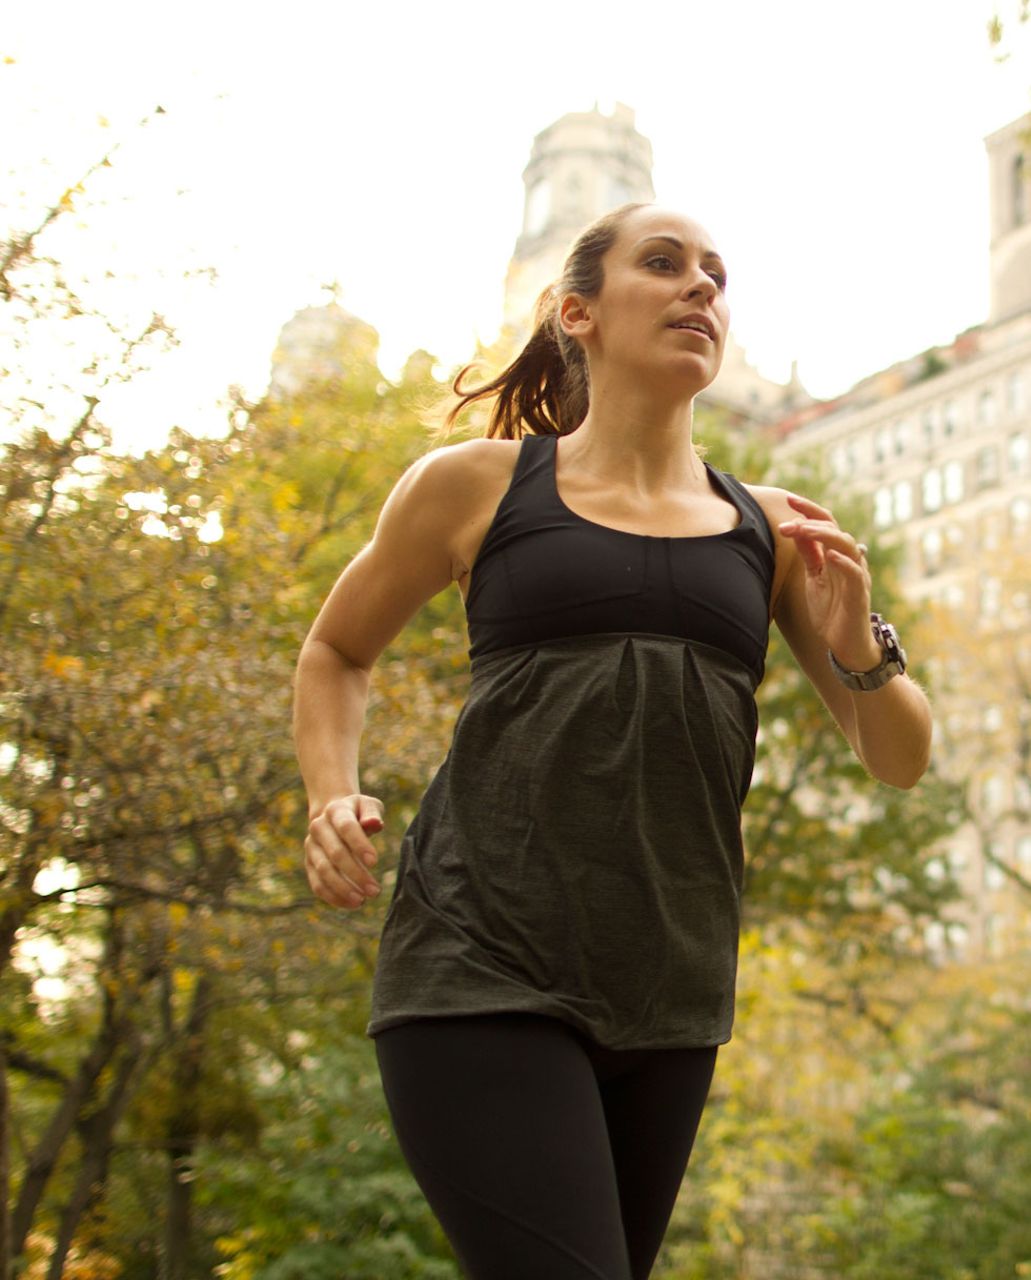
(337, 850)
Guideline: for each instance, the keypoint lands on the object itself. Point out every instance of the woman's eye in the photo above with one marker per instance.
(720, 277)
(662, 262)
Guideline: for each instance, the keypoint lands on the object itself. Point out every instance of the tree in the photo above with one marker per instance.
(150, 693)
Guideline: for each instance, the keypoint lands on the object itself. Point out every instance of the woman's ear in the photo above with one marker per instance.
(574, 315)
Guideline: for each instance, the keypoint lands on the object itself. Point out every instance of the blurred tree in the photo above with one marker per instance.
(61, 352)
(154, 630)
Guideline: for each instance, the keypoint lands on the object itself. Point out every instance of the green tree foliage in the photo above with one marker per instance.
(152, 815)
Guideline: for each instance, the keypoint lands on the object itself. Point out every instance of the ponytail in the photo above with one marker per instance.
(546, 389)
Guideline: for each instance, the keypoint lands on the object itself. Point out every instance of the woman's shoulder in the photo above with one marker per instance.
(773, 501)
(465, 465)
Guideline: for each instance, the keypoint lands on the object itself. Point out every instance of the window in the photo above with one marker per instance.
(954, 542)
(994, 876)
(1015, 393)
(882, 508)
(953, 487)
(990, 531)
(1020, 516)
(932, 489)
(950, 418)
(986, 409)
(959, 939)
(538, 206)
(903, 500)
(881, 445)
(1024, 853)
(927, 429)
(934, 936)
(991, 597)
(931, 547)
(903, 433)
(987, 466)
(1019, 191)
(619, 192)
(1018, 454)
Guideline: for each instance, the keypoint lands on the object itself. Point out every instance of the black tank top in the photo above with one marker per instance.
(578, 854)
(543, 572)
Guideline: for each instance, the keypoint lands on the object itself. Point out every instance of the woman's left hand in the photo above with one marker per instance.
(837, 584)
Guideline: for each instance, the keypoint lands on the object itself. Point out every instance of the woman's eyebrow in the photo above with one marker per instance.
(677, 244)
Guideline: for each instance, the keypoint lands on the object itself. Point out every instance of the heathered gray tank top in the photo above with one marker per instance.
(578, 853)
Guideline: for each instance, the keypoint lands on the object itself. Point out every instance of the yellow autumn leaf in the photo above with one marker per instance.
(64, 666)
(285, 497)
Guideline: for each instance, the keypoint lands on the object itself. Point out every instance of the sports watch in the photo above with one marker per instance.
(892, 664)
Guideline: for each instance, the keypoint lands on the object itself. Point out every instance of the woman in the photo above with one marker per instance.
(557, 966)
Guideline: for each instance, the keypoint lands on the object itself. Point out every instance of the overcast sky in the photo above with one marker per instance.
(834, 151)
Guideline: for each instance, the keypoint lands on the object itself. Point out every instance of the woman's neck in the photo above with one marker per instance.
(637, 441)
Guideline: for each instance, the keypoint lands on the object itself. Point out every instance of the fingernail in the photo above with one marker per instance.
(369, 859)
(372, 890)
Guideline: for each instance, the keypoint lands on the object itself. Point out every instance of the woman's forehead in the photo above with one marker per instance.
(643, 224)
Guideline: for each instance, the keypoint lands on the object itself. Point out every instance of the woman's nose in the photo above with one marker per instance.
(701, 285)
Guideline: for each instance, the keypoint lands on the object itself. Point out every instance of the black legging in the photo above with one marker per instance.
(544, 1156)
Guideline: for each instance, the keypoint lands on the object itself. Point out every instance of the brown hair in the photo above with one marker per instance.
(546, 390)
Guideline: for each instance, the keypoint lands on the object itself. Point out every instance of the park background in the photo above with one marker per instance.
(187, 1088)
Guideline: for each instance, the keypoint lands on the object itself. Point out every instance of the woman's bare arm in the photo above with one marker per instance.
(425, 538)
(823, 603)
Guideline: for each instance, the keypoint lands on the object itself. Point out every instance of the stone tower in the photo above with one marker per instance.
(1009, 187)
(580, 167)
(320, 344)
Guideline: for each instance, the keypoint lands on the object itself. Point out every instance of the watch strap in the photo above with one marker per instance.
(892, 663)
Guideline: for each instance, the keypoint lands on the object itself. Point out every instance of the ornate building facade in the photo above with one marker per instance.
(939, 447)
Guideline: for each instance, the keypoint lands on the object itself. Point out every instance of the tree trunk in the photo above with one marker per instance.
(183, 1128)
(115, 1028)
(44, 1156)
(96, 1131)
(6, 1255)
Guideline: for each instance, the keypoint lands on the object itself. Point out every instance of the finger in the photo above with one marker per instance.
(326, 881)
(850, 564)
(337, 871)
(346, 849)
(827, 534)
(352, 832)
(853, 578)
(808, 507)
(369, 812)
(812, 554)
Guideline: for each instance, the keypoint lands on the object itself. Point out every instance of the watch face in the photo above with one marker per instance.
(888, 638)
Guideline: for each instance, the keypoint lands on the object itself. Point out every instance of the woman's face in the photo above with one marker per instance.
(662, 305)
